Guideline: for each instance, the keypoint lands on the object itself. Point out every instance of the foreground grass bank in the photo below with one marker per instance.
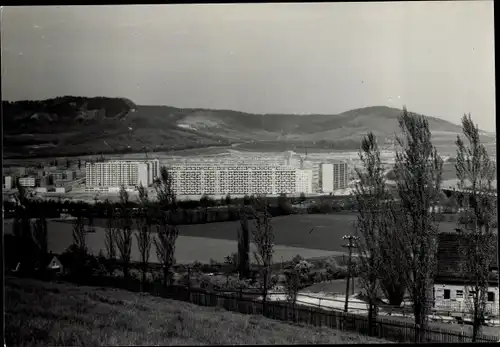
(41, 313)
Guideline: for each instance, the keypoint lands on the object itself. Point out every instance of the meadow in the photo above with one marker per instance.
(61, 314)
(310, 236)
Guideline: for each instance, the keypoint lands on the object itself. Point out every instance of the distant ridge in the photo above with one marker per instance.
(71, 125)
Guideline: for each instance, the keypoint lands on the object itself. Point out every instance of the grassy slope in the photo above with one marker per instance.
(39, 313)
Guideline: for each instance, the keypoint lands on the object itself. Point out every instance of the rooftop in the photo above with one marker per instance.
(450, 259)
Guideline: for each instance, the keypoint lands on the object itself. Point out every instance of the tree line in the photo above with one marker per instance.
(398, 231)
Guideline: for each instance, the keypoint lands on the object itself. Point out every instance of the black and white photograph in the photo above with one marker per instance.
(249, 174)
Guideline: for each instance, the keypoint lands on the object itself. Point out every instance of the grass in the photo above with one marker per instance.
(217, 240)
(40, 313)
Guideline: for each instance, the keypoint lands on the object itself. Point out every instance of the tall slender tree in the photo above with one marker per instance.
(143, 236)
(167, 231)
(244, 245)
(110, 235)
(418, 170)
(370, 193)
(476, 172)
(263, 238)
(124, 233)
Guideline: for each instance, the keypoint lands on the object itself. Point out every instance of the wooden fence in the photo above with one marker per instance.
(382, 327)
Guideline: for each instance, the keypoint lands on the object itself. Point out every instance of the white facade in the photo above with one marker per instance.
(333, 176)
(237, 180)
(142, 174)
(27, 181)
(60, 190)
(8, 182)
(121, 172)
(326, 178)
(41, 190)
(304, 181)
(456, 298)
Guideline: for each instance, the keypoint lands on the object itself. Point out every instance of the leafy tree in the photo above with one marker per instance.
(418, 171)
(165, 190)
(228, 199)
(302, 198)
(370, 195)
(475, 169)
(296, 276)
(167, 230)
(231, 264)
(284, 204)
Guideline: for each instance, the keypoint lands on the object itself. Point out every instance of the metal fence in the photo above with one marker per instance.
(284, 311)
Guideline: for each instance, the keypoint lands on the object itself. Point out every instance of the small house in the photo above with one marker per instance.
(451, 292)
(55, 266)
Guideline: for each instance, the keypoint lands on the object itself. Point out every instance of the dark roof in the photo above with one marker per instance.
(450, 259)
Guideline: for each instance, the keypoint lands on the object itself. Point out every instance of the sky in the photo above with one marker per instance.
(437, 58)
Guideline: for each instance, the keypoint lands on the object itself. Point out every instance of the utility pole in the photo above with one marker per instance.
(351, 239)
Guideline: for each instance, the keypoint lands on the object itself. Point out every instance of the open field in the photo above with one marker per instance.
(291, 231)
(188, 248)
(203, 242)
(50, 314)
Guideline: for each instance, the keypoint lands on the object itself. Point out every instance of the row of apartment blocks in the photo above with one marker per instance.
(239, 180)
(191, 178)
(116, 173)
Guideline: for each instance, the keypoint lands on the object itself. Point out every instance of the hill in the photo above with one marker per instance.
(57, 314)
(76, 125)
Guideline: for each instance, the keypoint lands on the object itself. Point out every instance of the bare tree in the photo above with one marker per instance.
(263, 237)
(165, 247)
(476, 173)
(79, 240)
(143, 236)
(418, 170)
(244, 245)
(41, 235)
(124, 233)
(110, 236)
(370, 196)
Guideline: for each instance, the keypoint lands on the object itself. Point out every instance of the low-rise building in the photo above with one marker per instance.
(451, 293)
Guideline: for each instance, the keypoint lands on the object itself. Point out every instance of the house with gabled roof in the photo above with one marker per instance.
(451, 292)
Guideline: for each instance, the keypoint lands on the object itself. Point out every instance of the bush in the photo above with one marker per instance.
(81, 265)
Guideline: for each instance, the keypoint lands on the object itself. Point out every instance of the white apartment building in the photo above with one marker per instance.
(333, 176)
(304, 181)
(340, 175)
(27, 181)
(119, 172)
(7, 182)
(239, 180)
(153, 168)
(326, 177)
